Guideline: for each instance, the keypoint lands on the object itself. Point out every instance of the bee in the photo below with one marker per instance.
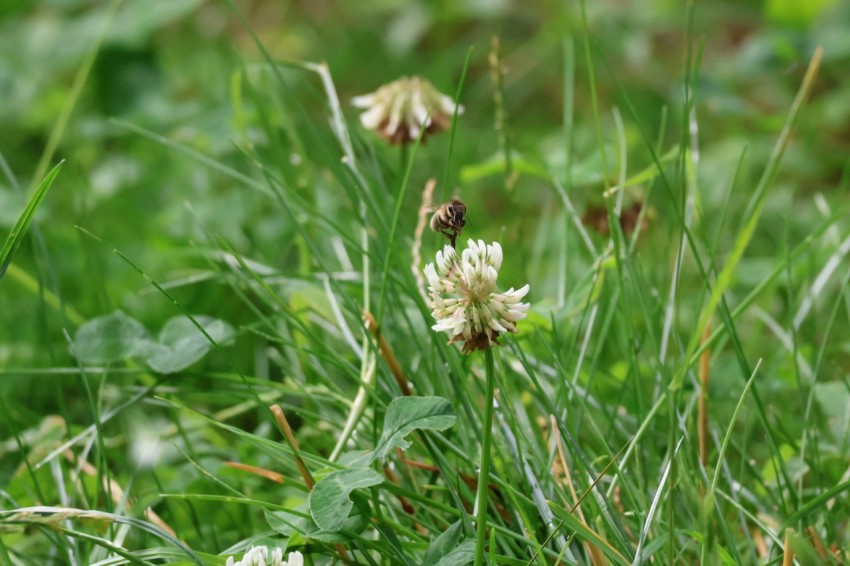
(449, 219)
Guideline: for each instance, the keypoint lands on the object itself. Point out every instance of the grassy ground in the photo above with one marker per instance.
(678, 393)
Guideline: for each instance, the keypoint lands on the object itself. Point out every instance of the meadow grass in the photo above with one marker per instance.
(677, 394)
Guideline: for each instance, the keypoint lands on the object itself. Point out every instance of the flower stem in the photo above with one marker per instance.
(482, 496)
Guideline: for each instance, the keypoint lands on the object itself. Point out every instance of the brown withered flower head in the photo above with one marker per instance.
(400, 110)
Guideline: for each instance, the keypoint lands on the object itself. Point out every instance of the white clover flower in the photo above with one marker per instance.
(399, 110)
(464, 300)
(261, 556)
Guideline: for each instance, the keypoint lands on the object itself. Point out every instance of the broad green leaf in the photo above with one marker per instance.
(406, 414)
(181, 343)
(464, 553)
(16, 236)
(303, 529)
(329, 501)
(110, 338)
(450, 549)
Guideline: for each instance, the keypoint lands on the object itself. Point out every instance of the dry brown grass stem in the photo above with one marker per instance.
(280, 417)
(788, 557)
(416, 251)
(387, 353)
(818, 543)
(262, 472)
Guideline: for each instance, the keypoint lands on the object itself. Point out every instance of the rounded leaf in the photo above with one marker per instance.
(110, 338)
(330, 503)
(181, 344)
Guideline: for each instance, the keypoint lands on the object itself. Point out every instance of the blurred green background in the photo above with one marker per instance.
(181, 69)
(172, 77)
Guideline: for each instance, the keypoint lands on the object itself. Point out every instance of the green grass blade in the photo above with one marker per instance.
(16, 236)
(724, 279)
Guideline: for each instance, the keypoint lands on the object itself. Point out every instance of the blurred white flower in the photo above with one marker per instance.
(464, 300)
(398, 111)
(261, 556)
(146, 449)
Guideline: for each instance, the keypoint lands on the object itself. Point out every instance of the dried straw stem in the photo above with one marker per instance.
(387, 353)
(416, 251)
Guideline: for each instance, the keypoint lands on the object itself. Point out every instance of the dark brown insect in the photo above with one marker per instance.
(450, 219)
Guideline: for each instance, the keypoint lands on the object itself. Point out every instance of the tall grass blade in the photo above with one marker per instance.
(16, 236)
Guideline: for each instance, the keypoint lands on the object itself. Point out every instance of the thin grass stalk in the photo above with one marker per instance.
(484, 470)
(500, 125)
(702, 406)
(454, 122)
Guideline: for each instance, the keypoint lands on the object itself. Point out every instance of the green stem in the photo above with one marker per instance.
(484, 472)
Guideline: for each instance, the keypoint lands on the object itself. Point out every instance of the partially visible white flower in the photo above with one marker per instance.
(399, 110)
(262, 556)
(464, 300)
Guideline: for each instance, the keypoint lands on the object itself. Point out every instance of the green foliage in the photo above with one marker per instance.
(117, 336)
(110, 338)
(329, 501)
(406, 414)
(16, 236)
(676, 394)
(450, 548)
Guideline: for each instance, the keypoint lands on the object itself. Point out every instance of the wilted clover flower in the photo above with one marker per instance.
(399, 110)
(261, 556)
(464, 300)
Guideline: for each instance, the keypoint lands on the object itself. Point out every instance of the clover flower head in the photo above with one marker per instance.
(464, 299)
(399, 110)
(262, 556)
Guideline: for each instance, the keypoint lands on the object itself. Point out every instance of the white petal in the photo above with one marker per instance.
(448, 105)
(413, 130)
(494, 322)
(373, 117)
(511, 297)
(513, 315)
(363, 101)
(495, 255)
(417, 108)
(395, 114)
(295, 559)
(467, 332)
(445, 259)
(431, 274)
(445, 325)
(469, 274)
